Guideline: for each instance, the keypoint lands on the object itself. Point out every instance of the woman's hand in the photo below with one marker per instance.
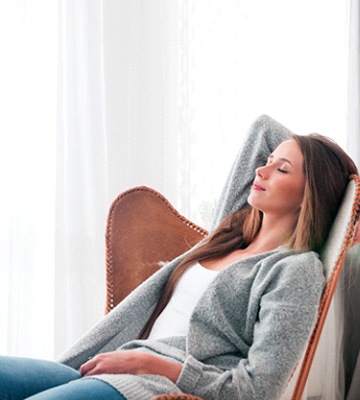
(130, 362)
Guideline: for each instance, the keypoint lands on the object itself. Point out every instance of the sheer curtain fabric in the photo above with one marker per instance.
(27, 171)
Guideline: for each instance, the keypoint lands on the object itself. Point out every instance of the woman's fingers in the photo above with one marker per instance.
(87, 367)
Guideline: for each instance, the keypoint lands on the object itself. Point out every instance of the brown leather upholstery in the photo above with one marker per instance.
(143, 231)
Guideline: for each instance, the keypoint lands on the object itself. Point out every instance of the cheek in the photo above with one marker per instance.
(297, 194)
(289, 193)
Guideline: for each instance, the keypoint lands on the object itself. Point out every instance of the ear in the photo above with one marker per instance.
(356, 238)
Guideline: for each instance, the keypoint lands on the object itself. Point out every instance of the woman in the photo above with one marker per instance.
(230, 318)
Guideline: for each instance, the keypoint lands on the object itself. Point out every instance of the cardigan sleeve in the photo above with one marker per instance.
(119, 326)
(287, 313)
(264, 135)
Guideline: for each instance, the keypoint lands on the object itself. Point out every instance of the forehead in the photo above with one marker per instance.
(290, 151)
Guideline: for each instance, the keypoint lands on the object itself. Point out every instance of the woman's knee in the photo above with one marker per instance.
(80, 389)
(22, 377)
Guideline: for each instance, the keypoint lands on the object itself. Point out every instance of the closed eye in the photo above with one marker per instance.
(280, 162)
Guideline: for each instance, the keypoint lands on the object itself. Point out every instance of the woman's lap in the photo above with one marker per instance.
(21, 378)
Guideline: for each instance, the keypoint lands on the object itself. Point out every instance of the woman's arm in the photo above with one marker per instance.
(131, 362)
(264, 135)
(119, 326)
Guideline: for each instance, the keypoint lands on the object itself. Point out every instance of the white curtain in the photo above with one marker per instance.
(142, 42)
(82, 170)
(118, 128)
(244, 58)
(353, 26)
(28, 36)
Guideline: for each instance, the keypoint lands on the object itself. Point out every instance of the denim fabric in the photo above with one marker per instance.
(25, 378)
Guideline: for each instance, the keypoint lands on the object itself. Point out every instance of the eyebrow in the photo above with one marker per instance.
(282, 159)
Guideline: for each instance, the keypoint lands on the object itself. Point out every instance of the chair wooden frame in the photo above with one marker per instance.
(148, 214)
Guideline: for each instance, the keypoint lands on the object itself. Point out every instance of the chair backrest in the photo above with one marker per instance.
(333, 258)
(143, 232)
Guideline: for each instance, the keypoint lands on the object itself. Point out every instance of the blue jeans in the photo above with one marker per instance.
(25, 378)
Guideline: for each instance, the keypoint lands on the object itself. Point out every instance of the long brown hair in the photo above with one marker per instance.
(327, 169)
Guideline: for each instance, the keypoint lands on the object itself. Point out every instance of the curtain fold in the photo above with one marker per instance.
(81, 162)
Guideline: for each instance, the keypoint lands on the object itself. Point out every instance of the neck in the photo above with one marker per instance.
(274, 232)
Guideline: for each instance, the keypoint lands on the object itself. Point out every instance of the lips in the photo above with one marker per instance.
(256, 186)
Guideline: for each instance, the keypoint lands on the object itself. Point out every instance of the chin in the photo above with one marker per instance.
(253, 203)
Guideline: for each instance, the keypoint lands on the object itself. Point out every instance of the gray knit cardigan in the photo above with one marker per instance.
(249, 328)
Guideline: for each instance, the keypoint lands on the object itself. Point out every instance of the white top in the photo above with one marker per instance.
(174, 319)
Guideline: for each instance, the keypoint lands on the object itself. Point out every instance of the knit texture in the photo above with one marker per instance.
(250, 326)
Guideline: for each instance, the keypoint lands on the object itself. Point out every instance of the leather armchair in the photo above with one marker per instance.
(144, 231)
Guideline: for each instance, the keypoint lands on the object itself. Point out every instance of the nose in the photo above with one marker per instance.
(262, 172)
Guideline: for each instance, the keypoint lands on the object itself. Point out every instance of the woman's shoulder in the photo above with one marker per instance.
(282, 253)
(285, 262)
(304, 258)
(300, 264)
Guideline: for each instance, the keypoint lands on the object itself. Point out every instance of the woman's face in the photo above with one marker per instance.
(279, 185)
